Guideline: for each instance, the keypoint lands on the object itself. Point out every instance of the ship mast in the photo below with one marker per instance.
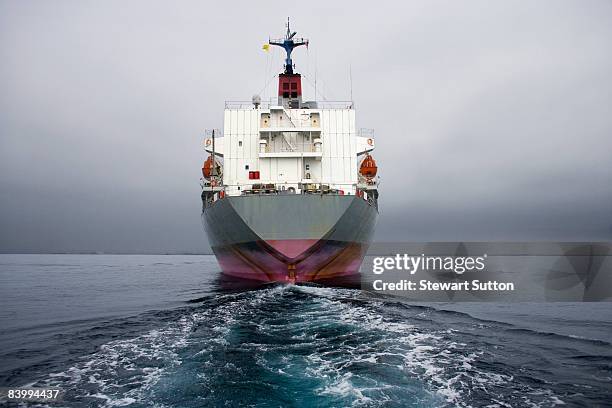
(289, 83)
(289, 43)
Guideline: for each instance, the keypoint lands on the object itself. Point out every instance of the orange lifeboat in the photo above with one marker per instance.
(207, 168)
(368, 167)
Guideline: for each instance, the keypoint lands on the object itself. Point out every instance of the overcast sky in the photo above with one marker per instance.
(493, 119)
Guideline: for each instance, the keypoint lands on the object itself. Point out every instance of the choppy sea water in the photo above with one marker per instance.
(166, 331)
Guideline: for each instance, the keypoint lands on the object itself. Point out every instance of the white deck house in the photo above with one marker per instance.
(292, 149)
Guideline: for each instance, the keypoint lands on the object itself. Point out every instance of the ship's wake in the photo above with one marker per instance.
(304, 345)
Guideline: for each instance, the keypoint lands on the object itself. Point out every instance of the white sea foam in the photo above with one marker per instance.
(443, 365)
(334, 339)
(133, 365)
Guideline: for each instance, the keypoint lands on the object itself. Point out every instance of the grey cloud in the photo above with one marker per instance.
(492, 118)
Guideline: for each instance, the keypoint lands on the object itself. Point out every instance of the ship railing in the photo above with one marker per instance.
(335, 105)
(291, 146)
(370, 196)
(289, 188)
(275, 191)
(274, 188)
(210, 194)
(294, 122)
(267, 104)
(365, 132)
(247, 104)
(208, 133)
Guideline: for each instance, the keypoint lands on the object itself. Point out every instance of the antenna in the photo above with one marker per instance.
(315, 78)
(351, 81)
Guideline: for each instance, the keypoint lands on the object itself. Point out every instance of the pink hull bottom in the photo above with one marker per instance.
(291, 260)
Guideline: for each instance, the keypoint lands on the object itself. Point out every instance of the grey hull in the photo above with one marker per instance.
(290, 237)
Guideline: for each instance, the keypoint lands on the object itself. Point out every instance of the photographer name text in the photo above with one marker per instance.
(456, 265)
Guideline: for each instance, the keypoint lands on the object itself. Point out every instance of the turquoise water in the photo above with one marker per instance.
(166, 331)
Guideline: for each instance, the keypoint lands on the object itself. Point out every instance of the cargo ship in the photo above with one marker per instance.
(289, 188)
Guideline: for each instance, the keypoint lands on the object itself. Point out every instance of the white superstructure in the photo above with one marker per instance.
(292, 149)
